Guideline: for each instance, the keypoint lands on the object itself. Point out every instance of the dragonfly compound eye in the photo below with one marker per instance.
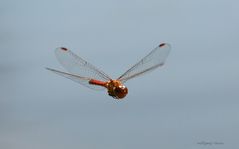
(121, 91)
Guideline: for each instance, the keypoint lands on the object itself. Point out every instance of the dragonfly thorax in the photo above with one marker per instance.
(116, 89)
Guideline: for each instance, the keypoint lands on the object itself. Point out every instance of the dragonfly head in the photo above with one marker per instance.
(120, 91)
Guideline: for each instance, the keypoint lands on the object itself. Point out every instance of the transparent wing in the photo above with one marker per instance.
(78, 66)
(150, 62)
(82, 80)
(80, 70)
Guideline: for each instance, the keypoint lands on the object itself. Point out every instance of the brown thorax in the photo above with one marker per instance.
(116, 89)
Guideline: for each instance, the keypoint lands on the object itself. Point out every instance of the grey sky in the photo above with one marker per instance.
(193, 98)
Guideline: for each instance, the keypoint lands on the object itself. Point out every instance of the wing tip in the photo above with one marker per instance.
(165, 45)
(161, 64)
(63, 49)
(47, 68)
(50, 69)
(162, 45)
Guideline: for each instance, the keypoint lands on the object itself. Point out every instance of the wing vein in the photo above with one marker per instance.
(154, 59)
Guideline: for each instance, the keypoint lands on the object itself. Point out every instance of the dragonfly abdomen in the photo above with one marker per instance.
(97, 82)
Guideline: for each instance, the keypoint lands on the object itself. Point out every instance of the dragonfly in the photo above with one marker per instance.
(81, 71)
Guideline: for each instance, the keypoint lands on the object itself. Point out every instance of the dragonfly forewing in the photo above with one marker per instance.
(153, 60)
(78, 66)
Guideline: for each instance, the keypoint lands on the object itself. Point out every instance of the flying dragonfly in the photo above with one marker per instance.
(79, 70)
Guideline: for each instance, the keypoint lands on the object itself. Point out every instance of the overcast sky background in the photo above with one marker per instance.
(194, 98)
